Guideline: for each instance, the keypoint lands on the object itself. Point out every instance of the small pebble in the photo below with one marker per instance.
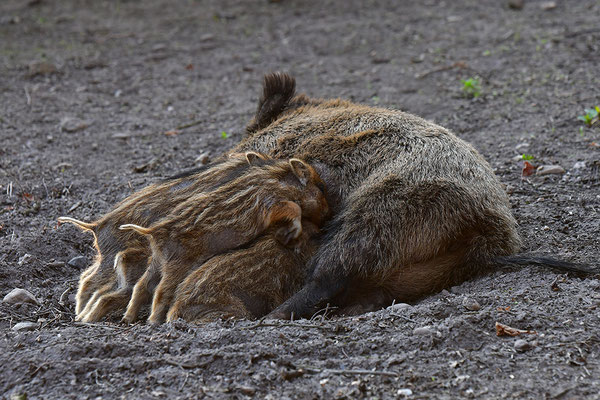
(579, 165)
(56, 264)
(79, 262)
(520, 146)
(203, 158)
(423, 330)
(404, 392)
(548, 5)
(550, 169)
(25, 326)
(471, 304)
(522, 345)
(25, 259)
(516, 4)
(71, 125)
(247, 390)
(400, 307)
(593, 284)
(20, 296)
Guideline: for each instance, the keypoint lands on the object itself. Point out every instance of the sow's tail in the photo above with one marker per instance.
(559, 265)
(83, 225)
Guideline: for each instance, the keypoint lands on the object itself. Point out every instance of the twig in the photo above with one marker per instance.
(259, 323)
(283, 323)
(403, 317)
(27, 95)
(74, 206)
(61, 301)
(31, 375)
(189, 366)
(189, 124)
(324, 315)
(582, 32)
(348, 371)
(45, 187)
(554, 285)
(187, 375)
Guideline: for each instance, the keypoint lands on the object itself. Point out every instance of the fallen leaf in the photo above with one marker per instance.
(505, 330)
(189, 67)
(28, 196)
(172, 133)
(528, 169)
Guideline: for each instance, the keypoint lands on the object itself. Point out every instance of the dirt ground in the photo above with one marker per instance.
(98, 99)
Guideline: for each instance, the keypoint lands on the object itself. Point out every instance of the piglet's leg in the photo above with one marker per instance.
(142, 292)
(93, 299)
(165, 291)
(106, 303)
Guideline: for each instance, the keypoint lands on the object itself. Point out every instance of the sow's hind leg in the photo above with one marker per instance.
(435, 233)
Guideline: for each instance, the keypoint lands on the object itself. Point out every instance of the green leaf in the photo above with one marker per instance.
(224, 134)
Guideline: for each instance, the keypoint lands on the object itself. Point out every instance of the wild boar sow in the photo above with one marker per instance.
(415, 208)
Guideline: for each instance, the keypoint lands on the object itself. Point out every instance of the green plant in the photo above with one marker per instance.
(591, 116)
(224, 134)
(527, 157)
(471, 87)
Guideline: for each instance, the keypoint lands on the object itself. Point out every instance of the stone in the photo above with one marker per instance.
(548, 5)
(516, 4)
(423, 330)
(79, 262)
(25, 326)
(71, 125)
(20, 296)
(522, 345)
(471, 304)
(400, 307)
(550, 169)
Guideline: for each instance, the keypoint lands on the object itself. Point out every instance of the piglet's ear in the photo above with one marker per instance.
(301, 170)
(253, 157)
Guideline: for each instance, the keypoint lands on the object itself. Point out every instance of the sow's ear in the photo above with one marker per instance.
(301, 170)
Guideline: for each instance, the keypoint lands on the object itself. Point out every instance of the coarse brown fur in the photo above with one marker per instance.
(275, 195)
(122, 256)
(245, 283)
(415, 208)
